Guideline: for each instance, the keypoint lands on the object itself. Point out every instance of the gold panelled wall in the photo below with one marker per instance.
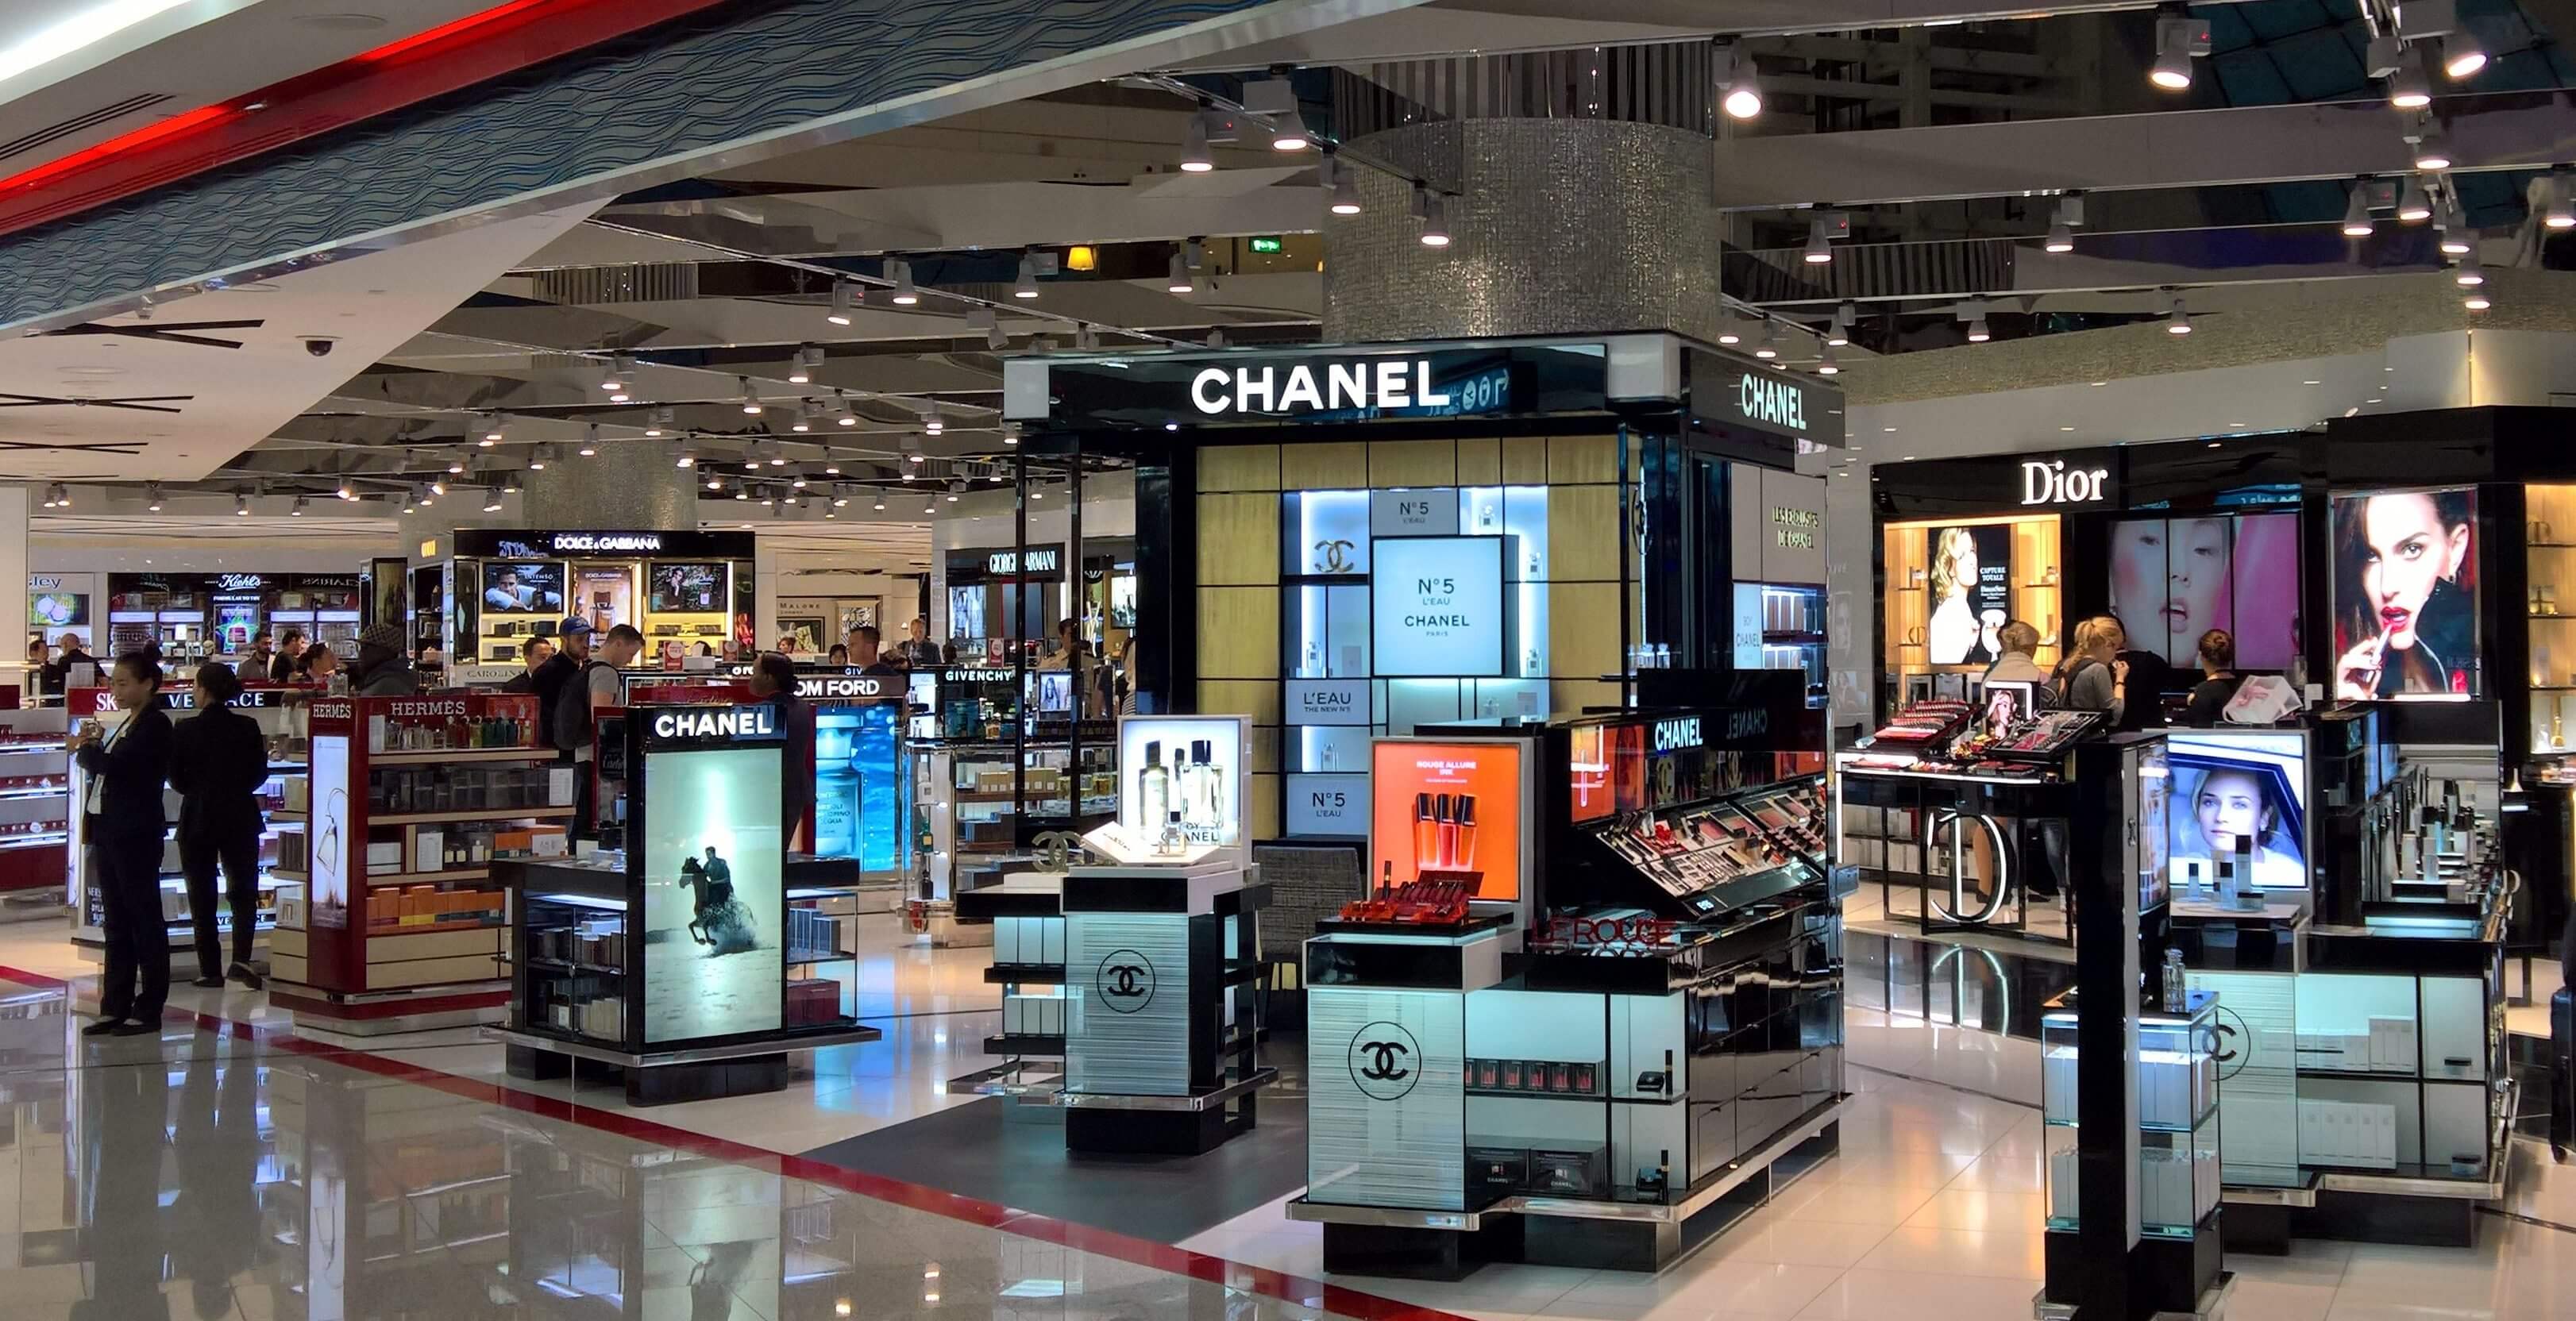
(1240, 600)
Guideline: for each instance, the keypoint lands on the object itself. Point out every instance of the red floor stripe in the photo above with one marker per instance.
(918, 1197)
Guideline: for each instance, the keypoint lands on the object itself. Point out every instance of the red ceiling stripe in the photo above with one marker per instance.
(483, 45)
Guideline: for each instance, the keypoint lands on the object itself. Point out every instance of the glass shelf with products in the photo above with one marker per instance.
(2178, 1174)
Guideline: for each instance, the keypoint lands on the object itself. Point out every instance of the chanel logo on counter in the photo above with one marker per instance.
(1125, 981)
(2234, 1046)
(1385, 1061)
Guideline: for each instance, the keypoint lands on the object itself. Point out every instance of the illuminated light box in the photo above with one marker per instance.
(1437, 607)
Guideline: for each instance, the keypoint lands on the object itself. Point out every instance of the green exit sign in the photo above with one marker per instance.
(1270, 244)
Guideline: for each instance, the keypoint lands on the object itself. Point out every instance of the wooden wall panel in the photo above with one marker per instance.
(1572, 696)
(1265, 791)
(1238, 540)
(1582, 459)
(1480, 463)
(1239, 632)
(1525, 460)
(1582, 533)
(1582, 630)
(1335, 465)
(1239, 468)
(1413, 463)
(1257, 698)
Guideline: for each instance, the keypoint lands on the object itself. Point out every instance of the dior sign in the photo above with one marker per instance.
(2051, 482)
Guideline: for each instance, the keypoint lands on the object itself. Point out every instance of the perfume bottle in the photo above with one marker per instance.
(1314, 663)
(1153, 788)
(1211, 796)
(1175, 841)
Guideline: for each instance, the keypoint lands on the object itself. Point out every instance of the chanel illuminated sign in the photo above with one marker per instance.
(1672, 735)
(716, 722)
(2050, 482)
(1777, 402)
(1383, 383)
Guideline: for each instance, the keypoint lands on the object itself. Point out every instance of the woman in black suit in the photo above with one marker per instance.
(218, 760)
(122, 832)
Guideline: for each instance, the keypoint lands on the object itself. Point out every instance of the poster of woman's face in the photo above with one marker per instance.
(2173, 579)
(1971, 593)
(2405, 595)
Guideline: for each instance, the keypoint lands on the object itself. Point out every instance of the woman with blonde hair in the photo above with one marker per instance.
(2092, 677)
(1954, 635)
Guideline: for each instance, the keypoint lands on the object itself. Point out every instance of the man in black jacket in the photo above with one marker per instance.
(122, 832)
(382, 669)
(218, 760)
(57, 675)
(536, 652)
(283, 667)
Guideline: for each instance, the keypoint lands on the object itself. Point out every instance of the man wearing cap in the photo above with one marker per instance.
(382, 669)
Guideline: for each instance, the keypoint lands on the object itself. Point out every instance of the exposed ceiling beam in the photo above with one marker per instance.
(2177, 149)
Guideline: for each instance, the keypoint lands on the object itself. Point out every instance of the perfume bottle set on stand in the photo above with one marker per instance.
(1183, 803)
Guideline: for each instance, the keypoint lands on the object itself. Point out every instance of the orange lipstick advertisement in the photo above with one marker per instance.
(1448, 811)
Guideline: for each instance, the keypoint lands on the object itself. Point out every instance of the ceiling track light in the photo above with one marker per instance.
(1341, 188)
(2414, 205)
(296, 510)
(1766, 347)
(1846, 315)
(537, 459)
(2432, 151)
(1820, 248)
(807, 412)
(2356, 212)
(1730, 330)
(2476, 300)
(241, 504)
(809, 358)
(2462, 56)
(1085, 338)
(686, 458)
(1288, 132)
(750, 401)
(844, 302)
(1978, 333)
(1179, 280)
(2060, 238)
(1739, 88)
(2179, 37)
(456, 463)
(1195, 158)
(1216, 338)
(2558, 209)
(152, 496)
(2456, 238)
(2469, 274)
(932, 423)
(2177, 318)
(1026, 286)
(906, 293)
(1435, 219)
(1825, 364)
(841, 412)
(2410, 88)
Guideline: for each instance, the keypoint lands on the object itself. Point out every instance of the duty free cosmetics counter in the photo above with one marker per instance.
(686, 959)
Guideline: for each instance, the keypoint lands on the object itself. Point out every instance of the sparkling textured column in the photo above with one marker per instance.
(628, 484)
(1562, 226)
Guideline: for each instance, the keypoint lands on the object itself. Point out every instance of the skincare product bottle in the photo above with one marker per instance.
(1445, 844)
(1153, 790)
(1426, 835)
(1466, 854)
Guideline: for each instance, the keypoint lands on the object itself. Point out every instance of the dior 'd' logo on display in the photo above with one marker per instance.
(2050, 483)
(1125, 981)
(1385, 1060)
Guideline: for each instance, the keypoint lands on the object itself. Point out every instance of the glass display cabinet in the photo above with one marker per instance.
(2177, 1174)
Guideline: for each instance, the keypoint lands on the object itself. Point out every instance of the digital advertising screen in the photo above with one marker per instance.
(1588, 762)
(2406, 595)
(328, 850)
(523, 587)
(687, 588)
(858, 796)
(2174, 579)
(714, 897)
(2230, 785)
(235, 623)
(1437, 607)
(57, 609)
(1970, 582)
(2008, 702)
(1448, 811)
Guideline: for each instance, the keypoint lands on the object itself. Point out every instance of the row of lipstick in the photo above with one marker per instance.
(1444, 832)
(1551, 1077)
(1426, 902)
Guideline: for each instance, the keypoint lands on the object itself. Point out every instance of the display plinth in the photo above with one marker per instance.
(688, 959)
(1161, 1023)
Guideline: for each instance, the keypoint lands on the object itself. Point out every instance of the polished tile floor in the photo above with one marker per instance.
(231, 1169)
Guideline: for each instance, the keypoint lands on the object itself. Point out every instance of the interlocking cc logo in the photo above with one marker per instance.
(2233, 1046)
(1058, 849)
(1385, 1060)
(1125, 981)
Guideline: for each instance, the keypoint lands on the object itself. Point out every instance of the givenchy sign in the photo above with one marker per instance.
(716, 722)
(1364, 383)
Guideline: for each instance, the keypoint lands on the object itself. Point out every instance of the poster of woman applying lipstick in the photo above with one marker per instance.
(2405, 595)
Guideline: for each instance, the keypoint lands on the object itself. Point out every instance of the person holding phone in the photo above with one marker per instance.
(122, 827)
